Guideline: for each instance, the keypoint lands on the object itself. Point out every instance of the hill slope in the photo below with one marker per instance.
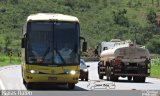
(100, 20)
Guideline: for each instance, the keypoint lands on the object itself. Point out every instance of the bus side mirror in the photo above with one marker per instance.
(23, 42)
(84, 46)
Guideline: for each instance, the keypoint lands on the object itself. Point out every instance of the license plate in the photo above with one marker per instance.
(52, 78)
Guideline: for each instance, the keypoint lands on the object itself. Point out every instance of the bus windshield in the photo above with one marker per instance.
(53, 43)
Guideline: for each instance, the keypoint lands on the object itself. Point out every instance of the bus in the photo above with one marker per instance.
(51, 50)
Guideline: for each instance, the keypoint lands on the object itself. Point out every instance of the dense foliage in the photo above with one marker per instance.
(100, 20)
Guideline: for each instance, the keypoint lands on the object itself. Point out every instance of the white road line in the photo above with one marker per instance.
(2, 86)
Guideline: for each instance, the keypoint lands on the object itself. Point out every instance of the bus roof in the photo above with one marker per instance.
(51, 16)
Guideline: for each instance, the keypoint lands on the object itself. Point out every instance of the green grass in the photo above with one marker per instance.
(7, 60)
(155, 70)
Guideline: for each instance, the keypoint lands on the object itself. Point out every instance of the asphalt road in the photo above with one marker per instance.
(11, 79)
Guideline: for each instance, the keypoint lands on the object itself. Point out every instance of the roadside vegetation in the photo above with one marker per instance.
(9, 60)
(155, 66)
(155, 70)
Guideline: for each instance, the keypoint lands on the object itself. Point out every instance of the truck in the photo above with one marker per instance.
(51, 50)
(123, 59)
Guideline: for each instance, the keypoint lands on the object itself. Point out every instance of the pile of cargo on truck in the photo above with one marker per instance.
(123, 59)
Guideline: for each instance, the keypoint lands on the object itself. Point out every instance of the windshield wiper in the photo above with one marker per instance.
(60, 56)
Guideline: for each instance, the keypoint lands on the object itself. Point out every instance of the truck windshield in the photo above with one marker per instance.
(53, 43)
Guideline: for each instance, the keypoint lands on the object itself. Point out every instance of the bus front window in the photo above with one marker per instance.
(53, 43)
(66, 42)
(40, 35)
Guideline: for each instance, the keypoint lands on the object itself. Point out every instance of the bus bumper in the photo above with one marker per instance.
(48, 78)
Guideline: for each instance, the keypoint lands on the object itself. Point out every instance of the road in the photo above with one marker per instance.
(10, 79)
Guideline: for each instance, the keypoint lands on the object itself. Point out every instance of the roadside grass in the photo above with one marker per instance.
(155, 70)
(7, 60)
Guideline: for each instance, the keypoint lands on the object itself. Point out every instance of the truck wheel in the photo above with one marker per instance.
(98, 70)
(142, 79)
(139, 79)
(115, 78)
(129, 78)
(71, 85)
(100, 76)
(108, 78)
(108, 73)
(82, 79)
(135, 79)
(86, 79)
(111, 77)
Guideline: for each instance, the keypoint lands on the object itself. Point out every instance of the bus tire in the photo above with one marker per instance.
(29, 86)
(24, 82)
(71, 85)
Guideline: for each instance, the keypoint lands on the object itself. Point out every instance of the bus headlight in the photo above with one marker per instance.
(72, 72)
(33, 71)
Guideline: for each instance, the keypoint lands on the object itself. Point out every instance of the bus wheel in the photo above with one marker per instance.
(29, 86)
(71, 85)
(24, 82)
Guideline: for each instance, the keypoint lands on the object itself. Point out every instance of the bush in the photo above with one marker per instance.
(154, 45)
(120, 18)
(84, 54)
(151, 16)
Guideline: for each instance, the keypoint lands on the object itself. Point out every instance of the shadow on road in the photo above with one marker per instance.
(55, 88)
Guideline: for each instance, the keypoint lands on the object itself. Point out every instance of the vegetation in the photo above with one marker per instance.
(155, 70)
(9, 60)
(101, 20)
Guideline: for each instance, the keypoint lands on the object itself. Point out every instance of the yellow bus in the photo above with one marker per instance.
(51, 50)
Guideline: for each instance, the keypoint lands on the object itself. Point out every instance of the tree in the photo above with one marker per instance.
(151, 16)
(7, 43)
(120, 18)
(153, 45)
(157, 2)
(152, 2)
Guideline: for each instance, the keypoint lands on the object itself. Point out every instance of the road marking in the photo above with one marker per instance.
(1, 85)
